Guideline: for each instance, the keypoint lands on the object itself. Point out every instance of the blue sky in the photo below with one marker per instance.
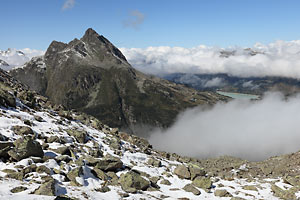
(142, 23)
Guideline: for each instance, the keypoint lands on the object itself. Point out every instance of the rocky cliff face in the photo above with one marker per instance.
(91, 75)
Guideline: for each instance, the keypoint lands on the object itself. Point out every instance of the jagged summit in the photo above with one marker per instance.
(92, 48)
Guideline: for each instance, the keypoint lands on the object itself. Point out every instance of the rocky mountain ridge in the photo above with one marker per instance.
(224, 82)
(91, 75)
(49, 153)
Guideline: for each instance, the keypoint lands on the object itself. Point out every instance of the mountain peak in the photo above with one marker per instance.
(92, 38)
(91, 32)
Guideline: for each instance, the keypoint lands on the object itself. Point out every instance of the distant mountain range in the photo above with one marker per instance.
(224, 82)
(11, 58)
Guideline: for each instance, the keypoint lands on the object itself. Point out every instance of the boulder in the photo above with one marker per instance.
(100, 174)
(53, 138)
(195, 171)
(15, 175)
(133, 181)
(22, 130)
(283, 194)
(76, 172)
(47, 188)
(250, 187)
(7, 99)
(80, 136)
(165, 182)
(109, 163)
(153, 162)
(182, 172)
(4, 148)
(18, 189)
(24, 148)
(43, 169)
(202, 182)
(222, 193)
(192, 189)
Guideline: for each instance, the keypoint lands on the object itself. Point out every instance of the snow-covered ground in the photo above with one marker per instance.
(131, 156)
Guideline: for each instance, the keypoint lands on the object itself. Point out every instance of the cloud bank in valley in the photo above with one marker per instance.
(281, 58)
(16, 57)
(245, 129)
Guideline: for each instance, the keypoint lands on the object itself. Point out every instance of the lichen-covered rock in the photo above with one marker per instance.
(43, 169)
(100, 174)
(192, 189)
(222, 193)
(154, 162)
(4, 148)
(53, 138)
(165, 182)
(109, 163)
(132, 181)
(7, 99)
(65, 150)
(22, 130)
(76, 172)
(182, 172)
(202, 182)
(18, 189)
(16, 175)
(283, 194)
(250, 187)
(237, 198)
(195, 171)
(80, 136)
(26, 147)
(47, 188)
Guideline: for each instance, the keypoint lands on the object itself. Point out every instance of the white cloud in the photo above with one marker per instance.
(246, 129)
(278, 59)
(69, 4)
(16, 57)
(136, 18)
(215, 82)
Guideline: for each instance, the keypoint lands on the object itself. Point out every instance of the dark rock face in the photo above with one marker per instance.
(91, 75)
(33, 75)
(3, 63)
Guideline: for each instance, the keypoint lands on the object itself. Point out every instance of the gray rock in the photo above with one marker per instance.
(24, 148)
(18, 189)
(202, 182)
(22, 130)
(165, 182)
(132, 181)
(47, 188)
(192, 189)
(100, 174)
(109, 163)
(182, 172)
(222, 193)
(153, 162)
(80, 136)
(76, 172)
(195, 171)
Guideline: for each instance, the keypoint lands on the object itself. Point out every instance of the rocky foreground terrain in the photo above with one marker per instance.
(50, 153)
